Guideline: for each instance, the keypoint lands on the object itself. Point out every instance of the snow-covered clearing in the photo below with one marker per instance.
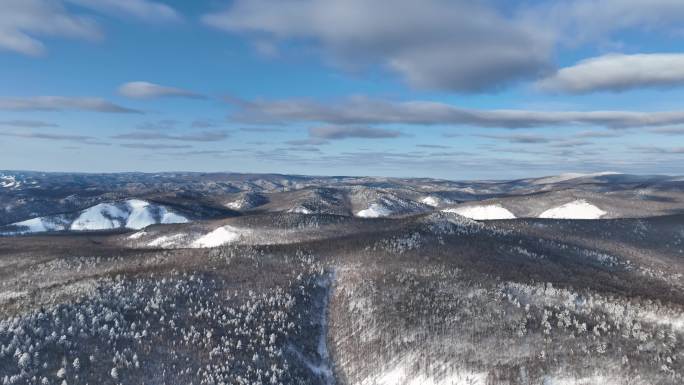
(404, 373)
(375, 210)
(221, 236)
(579, 209)
(485, 212)
(430, 201)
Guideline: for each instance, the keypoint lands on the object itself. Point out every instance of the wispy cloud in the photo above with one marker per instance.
(518, 138)
(206, 136)
(677, 130)
(158, 125)
(154, 146)
(346, 132)
(261, 129)
(27, 124)
(618, 72)
(366, 111)
(599, 134)
(307, 142)
(660, 150)
(61, 103)
(24, 22)
(422, 41)
(432, 146)
(145, 10)
(205, 123)
(84, 139)
(147, 90)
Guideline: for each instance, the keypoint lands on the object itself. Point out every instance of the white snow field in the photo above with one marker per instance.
(404, 373)
(484, 212)
(131, 214)
(134, 214)
(375, 210)
(430, 201)
(579, 209)
(38, 225)
(221, 236)
(300, 210)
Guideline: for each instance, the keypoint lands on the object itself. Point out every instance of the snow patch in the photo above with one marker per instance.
(484, 212)
(582, 381)
(404, 373)
(579, 209)
(34, 225)
(430, 201)
(137, 235)
(169, 217)
(374, 211)
(300, 210)
(167, 241)
(221, 236)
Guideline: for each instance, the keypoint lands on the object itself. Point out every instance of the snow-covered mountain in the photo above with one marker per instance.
(247, 201)
(130, 214)
(371, 203)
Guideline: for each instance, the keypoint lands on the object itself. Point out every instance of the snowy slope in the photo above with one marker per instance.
(221, 236)
(104, 216)
(131, 214)
(579, 209)
(430, 201)
(383, 204)
(37, 225)
(375, 210)
(485, 212)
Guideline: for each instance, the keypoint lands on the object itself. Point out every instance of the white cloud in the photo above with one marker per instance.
(21, 21)
(447, 45)
(24, 22)
(598, 21)
(145, 10)
(365, 111)
(206, 136)
(27, 123)
(146, 90)
(617, 72)
(455, 45)
(60, 103)
(345, 132)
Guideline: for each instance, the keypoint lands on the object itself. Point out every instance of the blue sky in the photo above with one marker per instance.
(431, 88)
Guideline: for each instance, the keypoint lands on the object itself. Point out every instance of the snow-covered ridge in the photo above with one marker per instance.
(247, 201)
(579, 209)
(388, 205)
(483, 212)
(570, 176)
(131, 214)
